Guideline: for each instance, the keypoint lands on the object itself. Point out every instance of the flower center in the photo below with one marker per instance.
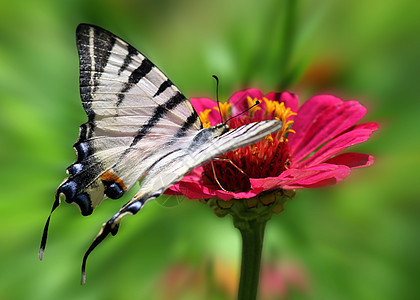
(266, 158)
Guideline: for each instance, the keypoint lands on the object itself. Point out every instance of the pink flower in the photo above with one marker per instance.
(305, 153)
(278, 280)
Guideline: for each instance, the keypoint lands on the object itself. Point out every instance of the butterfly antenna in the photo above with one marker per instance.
(217, 97)
(47, 224)
(249, 108)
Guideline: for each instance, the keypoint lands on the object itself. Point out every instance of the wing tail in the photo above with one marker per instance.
(47, 224)
(112, 225)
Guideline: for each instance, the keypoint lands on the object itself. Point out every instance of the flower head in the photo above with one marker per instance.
(303, 154)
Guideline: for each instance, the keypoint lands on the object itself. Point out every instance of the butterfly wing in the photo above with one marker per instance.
(133, 110)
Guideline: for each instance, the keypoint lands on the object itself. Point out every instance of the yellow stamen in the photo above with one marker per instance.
(252, 102)
(268, 141)
(224, 109)
(270, 106)
(204, 117)
(282, 113)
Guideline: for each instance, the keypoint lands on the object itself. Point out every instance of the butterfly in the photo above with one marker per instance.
(140, 126)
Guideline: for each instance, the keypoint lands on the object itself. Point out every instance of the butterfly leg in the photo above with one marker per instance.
(215, 177)
(224, 160)
(231, 162)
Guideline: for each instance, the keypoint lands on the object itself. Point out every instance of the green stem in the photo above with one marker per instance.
(252, 232)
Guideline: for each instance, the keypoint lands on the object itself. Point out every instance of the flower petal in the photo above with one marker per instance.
(323, 175)
(320, 119)
(201, 104)
(198, 190)
(352, 160)
(193, 187)
(224, 195)
(355, 135)
(239, 102)
(316, 176)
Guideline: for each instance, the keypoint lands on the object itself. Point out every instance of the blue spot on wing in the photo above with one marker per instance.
(113, 190)
(70, 191)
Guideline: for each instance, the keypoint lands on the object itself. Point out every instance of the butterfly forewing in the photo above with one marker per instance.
(133, 111)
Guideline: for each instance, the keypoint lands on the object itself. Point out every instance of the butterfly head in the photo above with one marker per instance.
(220, 129)
(207, 134)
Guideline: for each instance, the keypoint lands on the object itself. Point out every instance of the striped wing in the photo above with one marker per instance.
(133, 110)
(205, 146)
(135, 116)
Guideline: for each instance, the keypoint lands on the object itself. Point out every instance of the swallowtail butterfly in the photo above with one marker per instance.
(139, 126)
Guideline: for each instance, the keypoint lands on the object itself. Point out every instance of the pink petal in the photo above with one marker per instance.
(192, 190)
(326, 174)
(237, 195)
(355, 135)
(316, 176)
(239, 102)
(193, 177)
(197, 190)
(320, 119)
(352, 160)
(201, 104)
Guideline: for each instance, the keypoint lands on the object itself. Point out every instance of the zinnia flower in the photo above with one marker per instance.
(305, 153)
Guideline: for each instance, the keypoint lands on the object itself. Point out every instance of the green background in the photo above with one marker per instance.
(356, 240)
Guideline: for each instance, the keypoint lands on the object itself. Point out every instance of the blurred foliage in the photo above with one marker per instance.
(357, 240)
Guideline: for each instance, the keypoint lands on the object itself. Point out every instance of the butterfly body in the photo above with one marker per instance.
(139, 126)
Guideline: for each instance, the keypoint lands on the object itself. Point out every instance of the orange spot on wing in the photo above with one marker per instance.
(110, 176)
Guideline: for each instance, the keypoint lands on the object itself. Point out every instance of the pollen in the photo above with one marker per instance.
(282, 113)
(224, 109)
(204, 117)
(252, 102)
(270, 107)
(268, 141)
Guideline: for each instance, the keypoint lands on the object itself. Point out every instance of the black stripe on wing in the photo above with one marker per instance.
(87, 38)
(186, 126)
(166, 84)
(127, 60)
(144, 68)
(159, 112)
